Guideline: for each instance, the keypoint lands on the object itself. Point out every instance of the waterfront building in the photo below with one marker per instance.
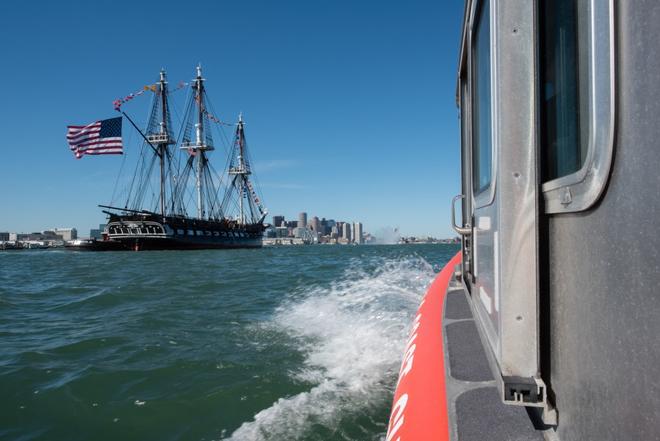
(4, 237)
(316, 224)
(346, 232)
(278, 221)
(325, 229)
(302, 219)
(358, 233)
(97, 233)
(329, 224)
(66, 233)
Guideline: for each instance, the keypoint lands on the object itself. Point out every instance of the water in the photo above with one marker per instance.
(288, 343)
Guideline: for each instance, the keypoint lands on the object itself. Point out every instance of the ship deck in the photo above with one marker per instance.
(475, 409)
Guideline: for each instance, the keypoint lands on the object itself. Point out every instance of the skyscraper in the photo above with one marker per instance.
(316, 225)
(302, 220)
(358, 233)
(278, 221)
(346, 231)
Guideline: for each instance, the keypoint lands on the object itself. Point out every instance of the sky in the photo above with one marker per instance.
(349, 105)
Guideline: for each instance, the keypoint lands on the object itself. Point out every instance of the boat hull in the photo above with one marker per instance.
(152, 232)
(94, 245)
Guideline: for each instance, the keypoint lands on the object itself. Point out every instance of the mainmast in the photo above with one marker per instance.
(161, 138)
(199, 146)
(240, 169)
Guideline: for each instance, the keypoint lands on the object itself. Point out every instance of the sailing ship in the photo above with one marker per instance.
(228, 215)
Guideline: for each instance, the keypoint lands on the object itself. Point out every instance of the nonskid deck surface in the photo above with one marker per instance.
(475, 409)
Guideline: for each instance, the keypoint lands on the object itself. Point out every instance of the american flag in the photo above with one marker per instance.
(98, 138)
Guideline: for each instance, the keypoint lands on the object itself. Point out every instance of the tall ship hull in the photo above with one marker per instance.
(152, 232)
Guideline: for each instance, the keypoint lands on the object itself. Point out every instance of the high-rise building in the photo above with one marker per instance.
(278, 221)
(324, 227)
(302, 220)
(358, 233)
(316, 225)
(346, 231)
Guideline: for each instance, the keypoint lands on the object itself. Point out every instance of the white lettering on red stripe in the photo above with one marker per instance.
(396, 418)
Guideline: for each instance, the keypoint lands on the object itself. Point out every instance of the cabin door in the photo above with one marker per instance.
(500, 183)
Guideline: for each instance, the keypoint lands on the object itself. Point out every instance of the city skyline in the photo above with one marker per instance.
(360, 123)
(317, 230)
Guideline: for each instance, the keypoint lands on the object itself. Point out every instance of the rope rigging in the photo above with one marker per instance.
(187, 179)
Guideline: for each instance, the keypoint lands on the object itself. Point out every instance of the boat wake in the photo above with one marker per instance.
(351, 335)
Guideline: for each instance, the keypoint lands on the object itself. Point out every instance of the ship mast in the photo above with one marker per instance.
(240, 170)
(162, 138)
(199, 146)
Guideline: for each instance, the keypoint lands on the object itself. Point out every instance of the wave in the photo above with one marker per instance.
(351, 335)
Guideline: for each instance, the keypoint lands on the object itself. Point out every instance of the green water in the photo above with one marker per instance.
(287, 343)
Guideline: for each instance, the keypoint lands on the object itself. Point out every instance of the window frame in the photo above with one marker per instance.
(485, 196)
(580, 190)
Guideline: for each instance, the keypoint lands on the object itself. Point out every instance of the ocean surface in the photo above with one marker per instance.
(281, 343)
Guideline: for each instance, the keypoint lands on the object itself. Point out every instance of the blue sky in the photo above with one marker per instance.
(349, 104)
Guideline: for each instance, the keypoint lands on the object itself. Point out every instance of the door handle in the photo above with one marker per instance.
(465, 230)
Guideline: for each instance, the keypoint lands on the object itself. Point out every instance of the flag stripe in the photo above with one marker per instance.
(97, 141)
(86, 132)
(72, 130)
(104, 152)
(98, 145)
(97, 123)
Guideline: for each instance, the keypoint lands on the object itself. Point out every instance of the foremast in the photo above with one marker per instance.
(161, 136)
(157, 137)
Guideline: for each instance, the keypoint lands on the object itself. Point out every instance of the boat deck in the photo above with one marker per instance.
(475, 410)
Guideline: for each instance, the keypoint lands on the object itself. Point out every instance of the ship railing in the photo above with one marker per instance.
(189, 145)
(160, 138)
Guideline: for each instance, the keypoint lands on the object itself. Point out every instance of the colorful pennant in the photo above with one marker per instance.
(151, 87)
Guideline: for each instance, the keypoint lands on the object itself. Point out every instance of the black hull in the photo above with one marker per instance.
(94, 245)
(151, 244)
(152, 232)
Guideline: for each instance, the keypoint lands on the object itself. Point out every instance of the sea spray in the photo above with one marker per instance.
(351, 335)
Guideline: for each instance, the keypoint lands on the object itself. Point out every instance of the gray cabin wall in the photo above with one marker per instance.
(603, 285)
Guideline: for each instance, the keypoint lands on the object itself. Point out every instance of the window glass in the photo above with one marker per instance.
(481, 95)
(562, 143)
(465, 136)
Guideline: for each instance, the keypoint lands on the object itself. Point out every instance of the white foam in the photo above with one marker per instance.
(352, 335)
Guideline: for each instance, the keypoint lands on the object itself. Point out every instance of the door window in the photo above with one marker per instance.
(482, 156)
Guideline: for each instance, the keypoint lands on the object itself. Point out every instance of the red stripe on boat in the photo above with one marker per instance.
(419, 409)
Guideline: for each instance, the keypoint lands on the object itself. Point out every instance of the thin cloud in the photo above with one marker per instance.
(283, 186)
(274, 164)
